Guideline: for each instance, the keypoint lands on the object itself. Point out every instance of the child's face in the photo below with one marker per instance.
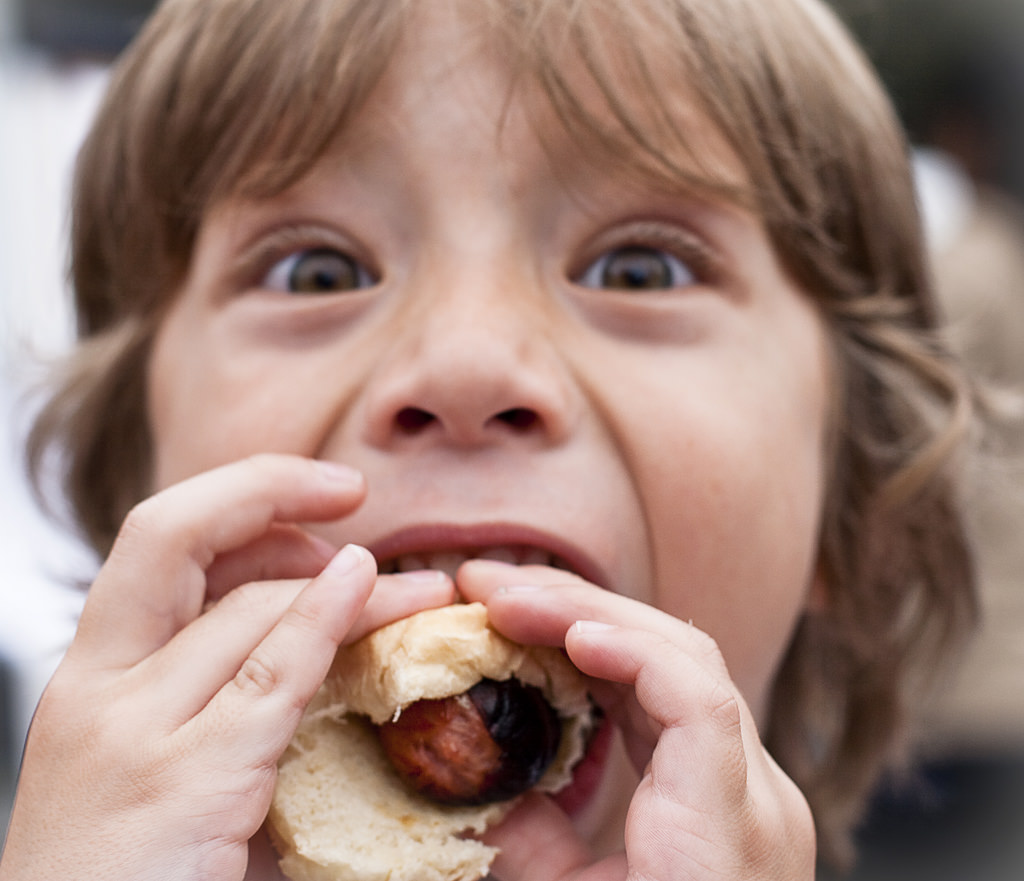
(477, 361)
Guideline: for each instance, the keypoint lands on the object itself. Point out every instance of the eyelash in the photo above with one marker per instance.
(689, 260)
(270, 263)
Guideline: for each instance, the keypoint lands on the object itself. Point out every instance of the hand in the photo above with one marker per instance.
(153, 752)
(711, 803)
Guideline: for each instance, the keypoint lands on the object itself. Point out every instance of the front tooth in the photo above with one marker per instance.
(446, 561)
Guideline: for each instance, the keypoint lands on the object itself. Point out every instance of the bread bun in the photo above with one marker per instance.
(340, 811)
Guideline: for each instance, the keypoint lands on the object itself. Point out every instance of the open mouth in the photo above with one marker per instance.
(446, 546)
(448, 560)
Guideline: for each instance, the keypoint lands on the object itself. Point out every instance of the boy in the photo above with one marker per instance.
(633, 290)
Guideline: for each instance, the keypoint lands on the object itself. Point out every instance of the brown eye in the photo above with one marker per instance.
(636, 268)
(318, 271)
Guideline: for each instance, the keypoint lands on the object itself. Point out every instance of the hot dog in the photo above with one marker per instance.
(489, 744)
(376, 783)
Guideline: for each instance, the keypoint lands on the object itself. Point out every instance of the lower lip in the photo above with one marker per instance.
(588, 773)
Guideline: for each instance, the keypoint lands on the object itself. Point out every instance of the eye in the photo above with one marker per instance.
(637, 268)
(318, 271)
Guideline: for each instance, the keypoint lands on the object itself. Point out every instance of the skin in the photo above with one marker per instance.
(480, 385)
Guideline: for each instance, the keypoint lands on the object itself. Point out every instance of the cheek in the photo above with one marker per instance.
(736, 518)
(739, 561)
(212, 403)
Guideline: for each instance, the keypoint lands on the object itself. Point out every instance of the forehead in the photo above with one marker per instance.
(591, 96)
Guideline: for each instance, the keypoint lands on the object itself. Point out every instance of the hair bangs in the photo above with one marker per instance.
(618, 79)
(262, 114)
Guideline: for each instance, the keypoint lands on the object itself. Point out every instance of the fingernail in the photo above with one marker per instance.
(347, 559)
(336, 472)
(585, 627)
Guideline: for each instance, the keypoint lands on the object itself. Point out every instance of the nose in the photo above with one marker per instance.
(471, 371)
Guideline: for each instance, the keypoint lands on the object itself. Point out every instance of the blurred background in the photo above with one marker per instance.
(955, 69)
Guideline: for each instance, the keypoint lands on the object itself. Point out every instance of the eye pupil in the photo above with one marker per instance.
(323, 270)
(637, 268)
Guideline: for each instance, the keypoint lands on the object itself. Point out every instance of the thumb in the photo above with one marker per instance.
(538, 842)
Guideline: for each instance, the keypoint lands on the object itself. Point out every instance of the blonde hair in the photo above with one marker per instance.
(225, 96)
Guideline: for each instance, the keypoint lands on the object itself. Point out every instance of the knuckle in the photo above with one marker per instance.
(151, 528)
(258, 676)
(140, 521)
(305, 617)
(256, 601)
(723, 712)
(723, 709)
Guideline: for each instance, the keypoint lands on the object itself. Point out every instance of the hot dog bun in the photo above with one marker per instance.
(340, 812)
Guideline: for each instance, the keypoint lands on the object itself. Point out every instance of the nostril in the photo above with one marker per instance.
(410, 420)
(519, 418)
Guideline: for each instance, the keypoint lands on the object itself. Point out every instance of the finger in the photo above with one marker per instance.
(708, 731)
(260, 707)
(401, 595)
(537, 605)
(479, 579)
(154, 581)
(199, 660)
(285, 551)
(733, 812)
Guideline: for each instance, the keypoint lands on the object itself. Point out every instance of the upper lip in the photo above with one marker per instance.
(428, 538)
